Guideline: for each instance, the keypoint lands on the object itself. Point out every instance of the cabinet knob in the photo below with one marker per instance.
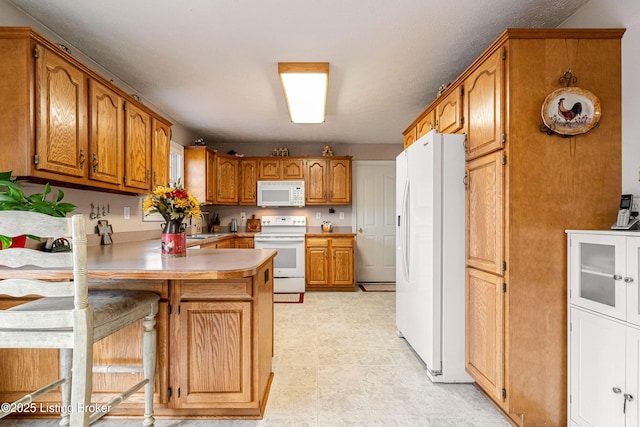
(82, 159)
(628, 279)
(617, 390)
(617, 277)
(359, 230)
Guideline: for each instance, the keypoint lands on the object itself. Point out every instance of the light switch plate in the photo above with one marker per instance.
(318, 215)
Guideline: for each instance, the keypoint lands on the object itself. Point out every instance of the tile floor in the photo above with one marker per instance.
(339, 362)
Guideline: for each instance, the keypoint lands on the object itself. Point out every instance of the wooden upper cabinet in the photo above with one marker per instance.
(327, 181)
(484, 106)
(106, 136)
(64, 123)
(248, 181)
(484, 216)
(339, 181)
(160, 153)
(315, 181)
(448, 112)
(199, 173)
(61, 115)
(426, 124)
(226, 179)
(280, 168)
(211, 177)
(137, 144)
(409, 137)
(292, 169)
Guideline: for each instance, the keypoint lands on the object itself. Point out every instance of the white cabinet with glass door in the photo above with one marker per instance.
(604, 328)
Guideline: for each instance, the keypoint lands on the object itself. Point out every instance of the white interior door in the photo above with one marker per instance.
(374, 202)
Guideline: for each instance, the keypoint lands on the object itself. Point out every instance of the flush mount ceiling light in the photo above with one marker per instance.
(305, 88)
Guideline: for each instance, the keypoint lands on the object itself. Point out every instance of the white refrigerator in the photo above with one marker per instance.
(430, 253)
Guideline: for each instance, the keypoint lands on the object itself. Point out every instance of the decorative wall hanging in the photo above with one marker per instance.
(570, 110)
(105, 231)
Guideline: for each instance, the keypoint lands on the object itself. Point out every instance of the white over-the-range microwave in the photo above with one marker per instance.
(281, 193)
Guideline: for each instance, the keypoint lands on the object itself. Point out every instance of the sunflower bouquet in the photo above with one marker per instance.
(174, 203)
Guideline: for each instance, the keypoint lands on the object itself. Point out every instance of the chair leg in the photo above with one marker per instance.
(149, 351)
(82, 375)
(65, 372)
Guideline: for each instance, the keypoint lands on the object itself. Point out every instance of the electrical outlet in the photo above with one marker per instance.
(341, 215)
(127, 212)
(318, 215)
(243, 216)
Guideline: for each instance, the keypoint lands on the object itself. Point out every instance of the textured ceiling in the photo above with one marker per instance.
(211, 66)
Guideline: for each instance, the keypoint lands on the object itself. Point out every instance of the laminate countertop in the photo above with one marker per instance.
(143, 260)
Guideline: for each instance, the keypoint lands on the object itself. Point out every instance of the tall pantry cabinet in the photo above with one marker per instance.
(524, 188)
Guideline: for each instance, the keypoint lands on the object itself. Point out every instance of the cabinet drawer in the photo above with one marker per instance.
(318, 241)
(215, 290)
(343, 242)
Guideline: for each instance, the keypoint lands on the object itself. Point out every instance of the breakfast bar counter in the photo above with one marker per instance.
(214, 326)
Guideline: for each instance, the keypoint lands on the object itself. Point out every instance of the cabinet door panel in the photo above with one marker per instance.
(315, 181)
(137, 148)
(410, 137)
(248, 181)
(292, 169)
(340, 181)
(484, 358)
(485, 246)
(483, 107)
(342, 264)
(224, 355)
(227, 180)
(316, 266)
(449, 112)
(597, 272)
(61, 129)
(426, 124)
(268, 169)
(597, 347)
(160, 153)
(107, 133)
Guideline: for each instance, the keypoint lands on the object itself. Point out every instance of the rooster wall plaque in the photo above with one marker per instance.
(571, 111)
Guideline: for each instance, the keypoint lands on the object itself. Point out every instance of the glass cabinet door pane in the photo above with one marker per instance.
(597, 267)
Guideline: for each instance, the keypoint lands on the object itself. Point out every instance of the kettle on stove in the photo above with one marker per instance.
(327, 226)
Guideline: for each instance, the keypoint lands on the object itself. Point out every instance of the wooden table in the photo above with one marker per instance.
(215, 332)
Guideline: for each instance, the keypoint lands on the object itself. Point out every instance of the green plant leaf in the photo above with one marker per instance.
(5, 241)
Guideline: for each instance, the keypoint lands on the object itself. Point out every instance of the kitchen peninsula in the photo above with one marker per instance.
(214, 325)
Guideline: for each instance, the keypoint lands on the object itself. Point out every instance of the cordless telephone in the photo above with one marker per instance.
(625, 220)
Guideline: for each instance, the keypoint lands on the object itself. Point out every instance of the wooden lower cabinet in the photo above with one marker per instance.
(329, 264)
(484, 349)
(214, 337)
(215, 346)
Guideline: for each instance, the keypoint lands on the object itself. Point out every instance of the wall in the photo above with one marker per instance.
(621, 14)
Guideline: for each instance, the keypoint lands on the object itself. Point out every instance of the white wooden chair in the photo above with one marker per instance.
(68, 316)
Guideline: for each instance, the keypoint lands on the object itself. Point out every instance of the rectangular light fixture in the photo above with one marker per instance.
(305, 88)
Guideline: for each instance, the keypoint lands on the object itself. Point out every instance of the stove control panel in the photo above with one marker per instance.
(288, 220)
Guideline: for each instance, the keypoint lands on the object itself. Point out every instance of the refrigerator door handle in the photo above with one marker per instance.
(404, 233)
